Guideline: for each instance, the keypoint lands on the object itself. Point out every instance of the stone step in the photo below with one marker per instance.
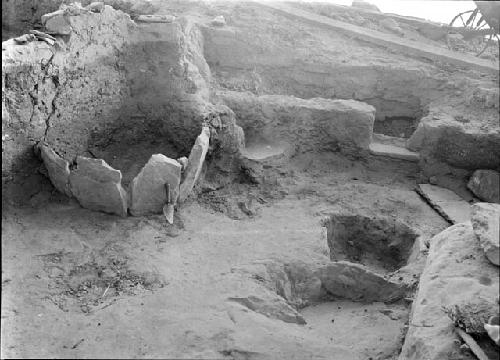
(393, 151)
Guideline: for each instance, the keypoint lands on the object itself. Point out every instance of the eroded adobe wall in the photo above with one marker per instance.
(110, 79)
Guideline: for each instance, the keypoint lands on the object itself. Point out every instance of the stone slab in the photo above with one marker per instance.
(97, 186)
(195, 164)
(356, 282)
(147, 190)
(57, 168)
(486, 224)
(448, 204)
(393, 151)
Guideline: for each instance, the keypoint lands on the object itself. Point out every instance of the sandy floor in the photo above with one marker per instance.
(175, 282)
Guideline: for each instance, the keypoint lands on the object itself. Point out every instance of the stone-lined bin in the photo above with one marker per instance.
(97, 186)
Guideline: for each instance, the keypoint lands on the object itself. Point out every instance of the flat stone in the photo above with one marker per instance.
(57, 169)
(486, 224)
(147, 190)
(456, 273)
(97, 186)
(393, 151)
(448, 204)
(485, 184)
(356, 282)
(195, 163)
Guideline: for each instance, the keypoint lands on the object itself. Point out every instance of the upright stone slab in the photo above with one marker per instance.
(485, 184)
(147, 190)
(97, 186)
(354, 281)
(195, 163)
(486, 224)
(58, 169)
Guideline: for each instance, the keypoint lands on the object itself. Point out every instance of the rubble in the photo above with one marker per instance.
(97, 186)
(147, 190)
(486, 225)
(485, 184)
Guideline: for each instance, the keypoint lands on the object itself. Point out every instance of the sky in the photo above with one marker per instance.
(435, 10)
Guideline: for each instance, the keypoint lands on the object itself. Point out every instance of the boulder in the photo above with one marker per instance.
(194, 164)
(456, 273)
(147, 190)
(485, 184)
(352, 281)
(57, 169)
(486, 224)
(97, 186)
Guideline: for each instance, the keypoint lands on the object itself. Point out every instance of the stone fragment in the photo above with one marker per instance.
(195, 163)
(184, 162)
(355, 282)
(147, 190)
(97, 186)
(392, 25)
(486, 224)
(57, 169)
(273, 307)
(485, 184)
(219, 21)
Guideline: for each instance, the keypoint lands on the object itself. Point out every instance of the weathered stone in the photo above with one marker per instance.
(485, 184)
(57, 168)
(195, 163)
(486, 225)
(352, 281)
(456, 273)
(96, 6)
(147, 190)
(97, 186)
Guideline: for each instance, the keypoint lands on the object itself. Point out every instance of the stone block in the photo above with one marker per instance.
(57, 169)
(147, 190)
(97, 186)
(195, 164)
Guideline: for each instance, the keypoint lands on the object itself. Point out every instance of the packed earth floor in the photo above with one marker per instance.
(246, 180)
